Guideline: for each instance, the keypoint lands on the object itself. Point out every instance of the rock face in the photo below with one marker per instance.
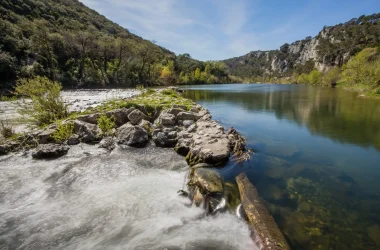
(50, 151)
(132, 135)
(87, 131)
(46, 136)
(265, 231)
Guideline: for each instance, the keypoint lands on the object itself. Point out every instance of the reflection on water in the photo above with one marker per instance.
(317, 164)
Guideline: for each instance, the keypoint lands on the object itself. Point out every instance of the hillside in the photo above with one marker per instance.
(68, 42)
(333, 46)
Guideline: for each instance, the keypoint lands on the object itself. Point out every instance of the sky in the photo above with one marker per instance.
(221, 29)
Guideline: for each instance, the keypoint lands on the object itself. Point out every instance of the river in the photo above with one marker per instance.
(316, 161)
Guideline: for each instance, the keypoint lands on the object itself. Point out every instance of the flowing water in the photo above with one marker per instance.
(93, 199)
(317, 160)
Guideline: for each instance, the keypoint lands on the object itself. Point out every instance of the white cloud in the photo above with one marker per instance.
(185, 26)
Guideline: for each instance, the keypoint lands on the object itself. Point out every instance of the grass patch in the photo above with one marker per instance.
(106, 124)
(8, 98)
(64, 132)
(6, 130)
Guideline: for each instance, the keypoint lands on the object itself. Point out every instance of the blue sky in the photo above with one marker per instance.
(220, 29)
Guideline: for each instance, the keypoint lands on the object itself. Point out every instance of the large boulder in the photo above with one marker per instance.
(73, 140)
(49, 151)
(175, 111)
(132, 135)
(136, 116)
(87, 131)
(210, 144)
(264, 229)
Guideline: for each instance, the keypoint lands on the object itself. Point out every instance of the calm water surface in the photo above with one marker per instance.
(317, 161)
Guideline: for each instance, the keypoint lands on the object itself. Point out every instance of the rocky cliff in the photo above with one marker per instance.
(333, 46)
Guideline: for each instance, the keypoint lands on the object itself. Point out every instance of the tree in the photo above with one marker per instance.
(332, 77)
(168, 74)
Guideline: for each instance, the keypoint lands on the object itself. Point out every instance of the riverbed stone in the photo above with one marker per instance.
(188, 116)
(46, 136)
(165, 138)
(183, 146)
(175, 111)
(73, 140)
(8, 146)
(166, 119)
(87, 131)
(108, 143)
(50, 151)
(91, 118)
(187, 123)
(147, 126)
(120, 115)
(132, 135)
(136, 116)
(209, 180)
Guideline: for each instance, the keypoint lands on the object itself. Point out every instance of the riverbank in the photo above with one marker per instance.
(165, 119)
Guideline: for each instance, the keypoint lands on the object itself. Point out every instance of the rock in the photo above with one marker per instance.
(194, 110)
(203, 165)
(166, 119)
(192, 128)
(208, 180)
(183, 146)
(147, 126)
(108, 143)
(136, 116)
(87, 131)
(8, 146)
(165, 138)
(188, 116)
(120, 115)
(183, 107)
(264, 229)
(73, 140)
(46, 136)
(91, 118)
(187, 123)
(131, 135)
(203, 151)
(49, 151)
(175, 111)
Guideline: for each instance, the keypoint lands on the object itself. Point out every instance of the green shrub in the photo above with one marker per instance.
(64, 132)
(140, 87)
(6, 130)
(106, 124)
(46, 104)
(8, 98)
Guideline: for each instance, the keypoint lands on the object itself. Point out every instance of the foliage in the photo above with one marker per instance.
(106, 124)
(332, 77)
(70, 43)
(41, 100)
(364, 69)
(8, 98)
(64, 132)
(6, 130)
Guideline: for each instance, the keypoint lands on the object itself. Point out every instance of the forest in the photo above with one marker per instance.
(74, 45)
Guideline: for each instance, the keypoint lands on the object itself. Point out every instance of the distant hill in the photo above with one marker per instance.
(68, 42)
(333, 46)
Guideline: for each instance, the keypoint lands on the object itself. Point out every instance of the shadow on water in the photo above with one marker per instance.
(317, 158)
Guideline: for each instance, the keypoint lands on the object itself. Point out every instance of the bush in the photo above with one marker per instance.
(6, 130)
(46, 104)
(106, 124)
(64, 132)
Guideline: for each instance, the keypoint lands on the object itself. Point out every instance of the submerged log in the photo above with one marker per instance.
(265, 231)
